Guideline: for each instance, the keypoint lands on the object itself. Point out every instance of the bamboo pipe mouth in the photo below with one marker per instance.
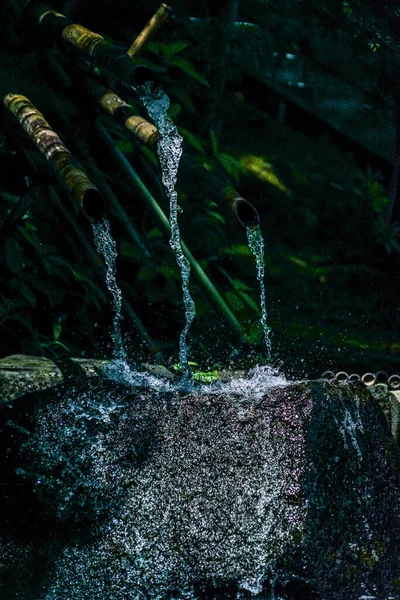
(142, 75)
(394, 382)
(342, 376)
(368, 379)
(245, 212)
(381, 377)
(93, 204)
(354, 377)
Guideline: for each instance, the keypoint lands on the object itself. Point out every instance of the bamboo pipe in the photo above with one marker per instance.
(150, 29)
(108, 56)
(245, 212)
(143, 130)
(209, 288)
(56, 153)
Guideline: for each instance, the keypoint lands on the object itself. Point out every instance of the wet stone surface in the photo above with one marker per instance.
(289, 493)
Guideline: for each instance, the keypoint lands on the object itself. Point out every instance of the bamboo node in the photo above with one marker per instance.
(111, 102)
(82, 38)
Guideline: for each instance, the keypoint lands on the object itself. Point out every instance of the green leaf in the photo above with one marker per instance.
(55, 295)
(77, 276)
(231, 165)
(154, 233)
(188, 68)
(61, 345)
(169, 272)
(184, 99)
(240, 286)
(57, 329)
(168, 50)
(149, 154)
(124, 146)
(234, 301)
(128, 250)
(174, 110)
(192, 139)
(14, 256)
(145, 273)
(216, 217)
(250, 302)
(214, 143)
(28, 294)
(237, 250)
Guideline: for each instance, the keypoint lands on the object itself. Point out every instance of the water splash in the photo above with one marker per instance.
(105, 244)
(169, 152)
(256, 245)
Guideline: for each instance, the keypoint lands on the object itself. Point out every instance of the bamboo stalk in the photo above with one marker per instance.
(56, 153)
(209, 288)
(106, 55)
(150, 29)
(142, 129)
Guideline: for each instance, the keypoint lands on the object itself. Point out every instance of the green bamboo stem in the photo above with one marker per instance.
(211, 291)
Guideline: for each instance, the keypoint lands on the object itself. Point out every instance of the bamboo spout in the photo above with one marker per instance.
(56, 153)
(58, 28)
(122, 112)
(245, 212)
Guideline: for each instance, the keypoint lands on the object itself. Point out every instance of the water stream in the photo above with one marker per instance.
(105, 244)
(256, 245)
(169, 152)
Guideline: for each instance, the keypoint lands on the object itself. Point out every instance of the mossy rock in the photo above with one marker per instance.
(167, 494)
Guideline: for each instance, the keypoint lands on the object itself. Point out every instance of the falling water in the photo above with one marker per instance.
(256, 245)
(105, 244)
(169, 152)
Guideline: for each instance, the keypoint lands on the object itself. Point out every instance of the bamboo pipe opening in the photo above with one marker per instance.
(368, 379)
(245, 212)
(93, 204)
(142, 75)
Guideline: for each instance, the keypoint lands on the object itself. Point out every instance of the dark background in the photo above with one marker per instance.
(296, 104)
